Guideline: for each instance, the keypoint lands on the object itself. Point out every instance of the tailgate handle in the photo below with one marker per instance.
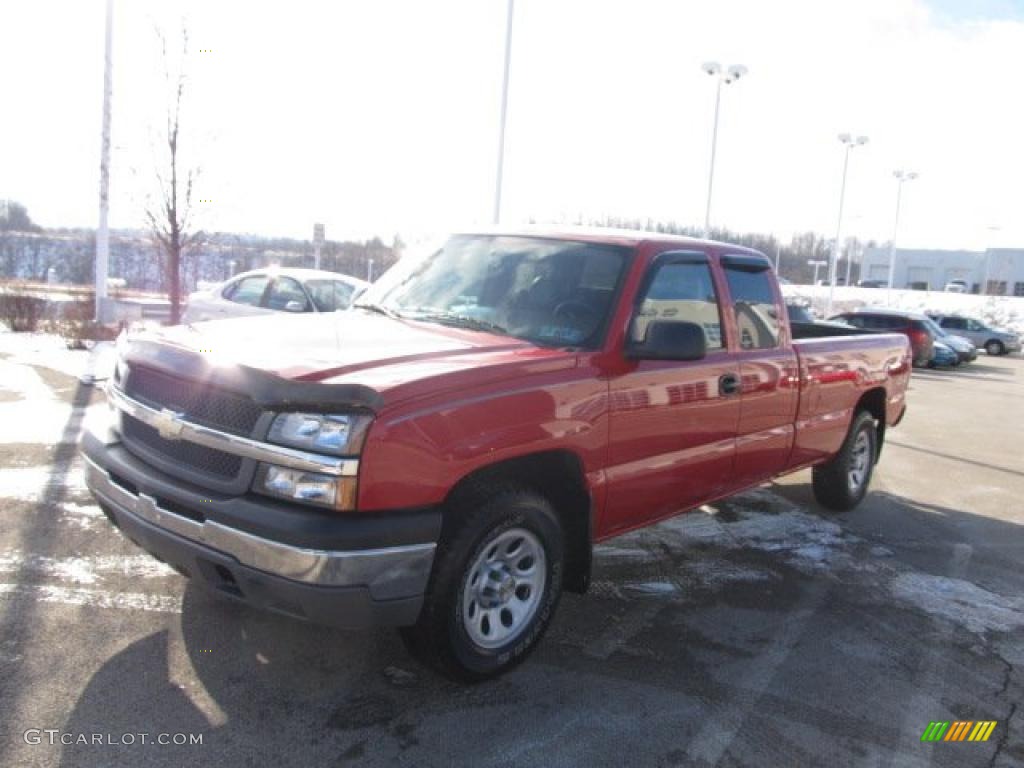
(729, 384)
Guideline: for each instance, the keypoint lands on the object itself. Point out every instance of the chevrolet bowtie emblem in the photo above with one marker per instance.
(169, 424)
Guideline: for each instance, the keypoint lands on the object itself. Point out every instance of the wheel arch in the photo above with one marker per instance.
(874, 402)
(558, 476)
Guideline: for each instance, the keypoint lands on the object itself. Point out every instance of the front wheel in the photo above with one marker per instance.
(496, 582)
(841, 483)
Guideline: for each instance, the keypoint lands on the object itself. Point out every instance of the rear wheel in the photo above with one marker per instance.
(496, 582)
(841, 483)
(994, 347)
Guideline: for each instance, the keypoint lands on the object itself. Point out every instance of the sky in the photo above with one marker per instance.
(381, 117)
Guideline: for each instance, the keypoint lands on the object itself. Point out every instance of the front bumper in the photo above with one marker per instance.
(332, 568)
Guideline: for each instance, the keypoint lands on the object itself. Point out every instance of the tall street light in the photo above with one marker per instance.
(102, 231)
(722, 76)
(504, 111)
(849, 142)
(901, 177)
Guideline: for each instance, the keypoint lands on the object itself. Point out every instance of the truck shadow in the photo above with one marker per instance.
(743, 616)
(20, 618)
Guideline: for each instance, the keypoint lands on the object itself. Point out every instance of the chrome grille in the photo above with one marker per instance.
(199, 402)
(209, 461)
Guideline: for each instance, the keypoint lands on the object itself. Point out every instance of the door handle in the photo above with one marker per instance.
(728, 384)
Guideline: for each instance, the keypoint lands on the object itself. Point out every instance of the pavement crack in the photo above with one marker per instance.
(1006, 677)
(1005, 737)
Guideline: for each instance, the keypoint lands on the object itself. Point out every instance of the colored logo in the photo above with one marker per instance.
(960, 730)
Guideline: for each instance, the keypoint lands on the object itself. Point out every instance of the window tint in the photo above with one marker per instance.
(681, 292)
(957, 323)
(883, 322)
(286, 290)
(799, 314)
(549, 292)
(248, 290)
(329, 295)
(757, 314)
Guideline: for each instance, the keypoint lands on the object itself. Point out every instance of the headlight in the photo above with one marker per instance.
(307, 487)
(339, 434)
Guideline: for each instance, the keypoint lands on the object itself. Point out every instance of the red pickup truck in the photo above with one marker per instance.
(444, 456)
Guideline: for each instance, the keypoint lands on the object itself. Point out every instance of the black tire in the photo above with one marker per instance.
(995, 347)
(832, 481)
(440, 638)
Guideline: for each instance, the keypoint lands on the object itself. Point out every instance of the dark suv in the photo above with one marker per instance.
(910, 324)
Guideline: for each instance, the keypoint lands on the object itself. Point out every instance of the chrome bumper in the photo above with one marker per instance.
(388, 573)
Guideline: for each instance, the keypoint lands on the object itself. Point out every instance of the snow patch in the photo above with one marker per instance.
(50, 351)
(1005, 312)
(33, 483)
(972, 607)
(93, 598)
(84, 570)
(83, 516)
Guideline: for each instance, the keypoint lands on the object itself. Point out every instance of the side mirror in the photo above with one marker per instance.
(670, 340)
(294, 306)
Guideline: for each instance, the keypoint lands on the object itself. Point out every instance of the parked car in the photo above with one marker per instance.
(956, 286)
(943, 356)
(805, 325)
(965, 350)
(444, 455)
(274, 290)
(799, 313)
(910, 324)
(992, 340)
(873, 283)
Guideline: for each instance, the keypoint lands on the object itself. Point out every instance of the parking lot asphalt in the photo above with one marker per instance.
(758, 631)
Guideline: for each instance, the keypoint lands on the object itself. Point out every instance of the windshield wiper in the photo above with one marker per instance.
(462, 321)
(380, 309)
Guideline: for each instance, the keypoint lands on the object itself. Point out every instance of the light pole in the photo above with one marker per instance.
(849, 142)
(102, 231)
(901, 177)
(726, 76)
(504, 112)
(849, 264)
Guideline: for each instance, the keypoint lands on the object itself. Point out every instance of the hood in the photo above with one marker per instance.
(397, 358)
(957, 342)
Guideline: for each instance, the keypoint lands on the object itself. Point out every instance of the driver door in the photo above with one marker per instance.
(673, 423)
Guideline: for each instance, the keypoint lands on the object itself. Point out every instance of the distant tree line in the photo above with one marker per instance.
(793, 255)
(28, 252)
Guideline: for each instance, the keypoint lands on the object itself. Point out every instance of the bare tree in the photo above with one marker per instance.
(169, 217)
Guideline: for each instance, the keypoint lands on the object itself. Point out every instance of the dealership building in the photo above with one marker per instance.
(997, 271)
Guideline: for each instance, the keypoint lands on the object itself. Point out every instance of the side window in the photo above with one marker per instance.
(957, 323)
(283, 292)
(680, 292)
(248, 290)
(890, 323)
(757, 314)
(857, 321)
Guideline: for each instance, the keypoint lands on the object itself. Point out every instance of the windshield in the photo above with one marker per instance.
(551, 292)
(330, 295)
(936, 330)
